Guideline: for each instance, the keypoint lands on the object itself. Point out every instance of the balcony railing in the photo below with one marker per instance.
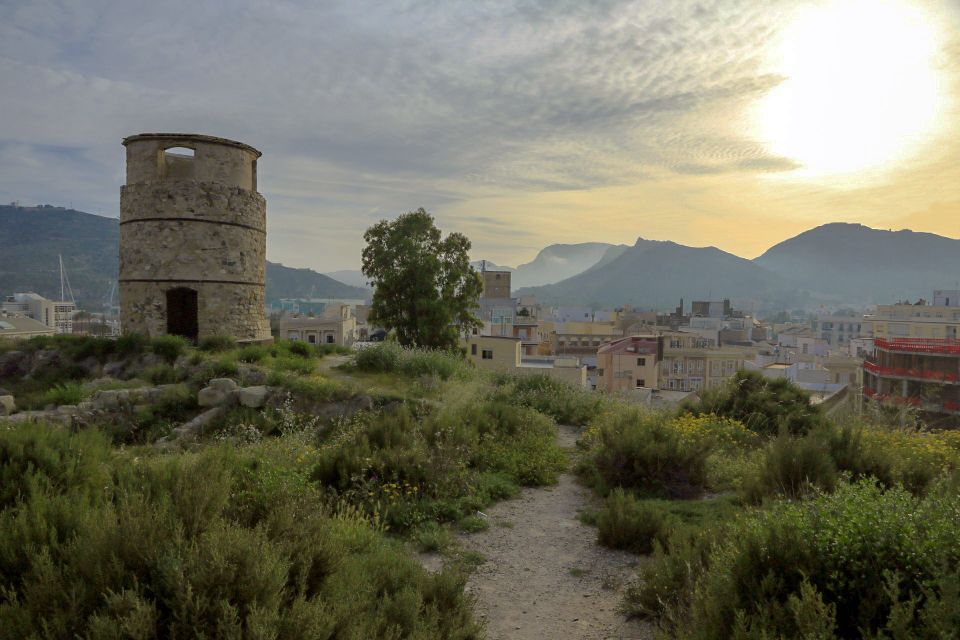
(919, 345)
(922, 374)
(946, 406)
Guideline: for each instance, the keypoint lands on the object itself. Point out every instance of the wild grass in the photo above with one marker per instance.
(216, 543)
(389, 357)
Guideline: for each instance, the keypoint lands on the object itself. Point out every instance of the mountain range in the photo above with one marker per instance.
(32, 238)
(835, 263)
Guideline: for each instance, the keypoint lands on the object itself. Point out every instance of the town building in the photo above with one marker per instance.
(629, 363)
(920, 372)
(906, 320)
(838, 330)
(496, 284)
(20, 327)
(504, 354)
(56, 314)
(336, 325)
(693, 363)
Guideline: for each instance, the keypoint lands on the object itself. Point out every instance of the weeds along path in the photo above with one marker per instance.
(544, 575)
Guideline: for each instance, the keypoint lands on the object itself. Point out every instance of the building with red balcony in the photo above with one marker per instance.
(920, 372)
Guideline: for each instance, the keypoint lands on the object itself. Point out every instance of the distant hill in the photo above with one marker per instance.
(31, 238)
(489, 265)
(857, 263)
(658, 274)
(352, 277)
(561, 261)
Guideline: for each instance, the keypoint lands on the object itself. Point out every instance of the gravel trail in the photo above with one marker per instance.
(544, 575)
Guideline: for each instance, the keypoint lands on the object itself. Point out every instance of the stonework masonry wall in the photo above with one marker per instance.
(193, 222)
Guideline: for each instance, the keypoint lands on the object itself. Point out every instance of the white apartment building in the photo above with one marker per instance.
(56, 314)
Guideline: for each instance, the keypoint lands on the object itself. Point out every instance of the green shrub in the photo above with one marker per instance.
(98, 545)
(646, 454)
(162, 374)
(65, 393)
(131, 344)
(296, 365)
(333, 349)
(626, 523)
(791, 468)
(431, 537)
(764, 405)
(217, 344)
(301, 349)
(169, 347)
(667, 583)
(312, 388)
(857, 563)
(550, 396)
(473, 524)
(389, 357)
(253, 353)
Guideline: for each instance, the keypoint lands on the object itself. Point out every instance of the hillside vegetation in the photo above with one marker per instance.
(763, 517)
(32, 238)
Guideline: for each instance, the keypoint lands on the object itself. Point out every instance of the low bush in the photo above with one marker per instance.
(220, 543)
(792, 467)
(311, 388)
(162, 374)
(169, 347)
(253, 353)
(645, 453)
(550, 396)
(61, 394)
(473, 524)
(765, 406)
(860, 562)
(131, 344)
(299, 365)
(389, 357)
(327, 349)
(626, 523)
(408, 470)
(217, 344)
(301, 349)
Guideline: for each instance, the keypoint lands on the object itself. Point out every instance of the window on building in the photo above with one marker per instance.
(473, 349)
(312, 339)
(330, 339)
(487, 354)
(641, 362)
(641, 382)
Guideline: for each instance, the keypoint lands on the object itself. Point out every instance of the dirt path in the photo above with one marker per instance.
(544, 575)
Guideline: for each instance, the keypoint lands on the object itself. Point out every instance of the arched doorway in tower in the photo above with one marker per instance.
(182, 313)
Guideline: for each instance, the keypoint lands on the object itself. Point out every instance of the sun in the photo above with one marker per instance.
(861, 90)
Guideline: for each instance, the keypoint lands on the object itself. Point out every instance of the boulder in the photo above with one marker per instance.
(225, 385)
(253, 397)
(212, 397)
(7, 405)
(105, 399)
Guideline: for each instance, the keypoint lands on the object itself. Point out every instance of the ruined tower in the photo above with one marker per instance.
(192, 238)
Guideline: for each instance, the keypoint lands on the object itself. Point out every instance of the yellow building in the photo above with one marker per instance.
(504, 354)
(913, 321)
(692, 363)
(629, 363)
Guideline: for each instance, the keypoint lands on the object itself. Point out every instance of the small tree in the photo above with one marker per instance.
(424, 286)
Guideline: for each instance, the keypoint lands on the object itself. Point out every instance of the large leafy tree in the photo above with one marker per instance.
(424, 286)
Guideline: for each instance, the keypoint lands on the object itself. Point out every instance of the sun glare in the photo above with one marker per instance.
(861, 90)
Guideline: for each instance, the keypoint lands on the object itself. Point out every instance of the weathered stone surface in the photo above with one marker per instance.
(7, 405)
(253, 397)
(12, 363)
(223, 384)
(194, 428)
(105, 399)
(195, 223)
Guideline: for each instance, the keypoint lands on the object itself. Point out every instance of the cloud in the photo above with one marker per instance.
(366, 109)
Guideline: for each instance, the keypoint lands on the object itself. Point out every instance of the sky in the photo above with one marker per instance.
(731, 123)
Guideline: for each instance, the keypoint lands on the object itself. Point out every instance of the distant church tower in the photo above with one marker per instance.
(192, 238)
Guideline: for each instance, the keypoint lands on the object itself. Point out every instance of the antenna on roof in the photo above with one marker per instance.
(65, 283)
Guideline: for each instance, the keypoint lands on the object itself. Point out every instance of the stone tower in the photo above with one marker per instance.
(192, 238)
